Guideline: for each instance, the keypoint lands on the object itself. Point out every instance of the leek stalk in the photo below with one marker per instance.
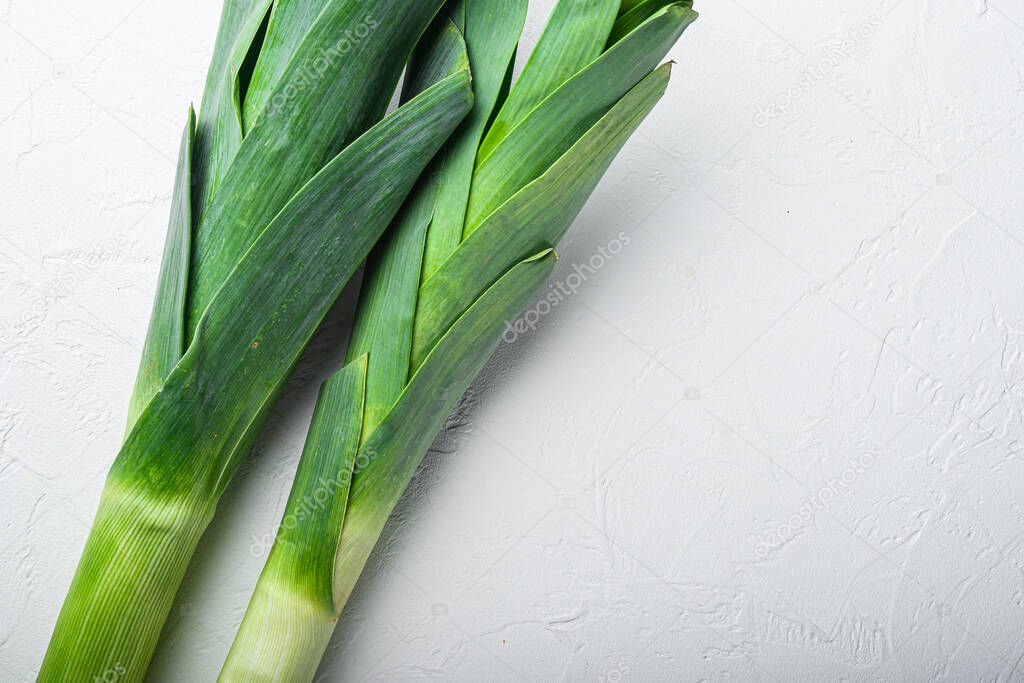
(473, 243)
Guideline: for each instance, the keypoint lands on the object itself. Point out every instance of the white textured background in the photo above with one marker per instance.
(775, 437)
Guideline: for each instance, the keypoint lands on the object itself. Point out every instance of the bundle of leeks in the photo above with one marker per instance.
(285, 181)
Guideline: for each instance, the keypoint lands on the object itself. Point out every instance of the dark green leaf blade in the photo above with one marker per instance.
(297, 133)
(218, 135)
(628, 5)
(289, 23)
(491, 29)
(539, 214)
(257, 326)
(387, 306)
(638, 14)
(394, 451)
(441, 53)
(562, 118)
(574, 37)
(165, 339)
(247, 52)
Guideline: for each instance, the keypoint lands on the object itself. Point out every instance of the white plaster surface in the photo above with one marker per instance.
(777, 436)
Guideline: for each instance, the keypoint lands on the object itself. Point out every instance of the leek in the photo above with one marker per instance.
(471, 246)
(285, 181)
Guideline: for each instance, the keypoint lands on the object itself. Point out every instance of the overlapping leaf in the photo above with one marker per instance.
(165, 339)
(561, 118)
(470, 247)
(538, 214)
(257, 326)
(218, 134)
(387, 307)
(574, 37)
(395, 449)
(298, 132)
(491, 30)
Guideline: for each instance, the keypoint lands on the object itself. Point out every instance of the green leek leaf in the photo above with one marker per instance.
(638, 14)
(574, 37)
(165, 340)
(218, 135)
(388, 302)
(297, 134)
(250, 45)
(491, 31)
(290, 20)
(538, 214)
(395, 449)
(555, 124)
(257, 326)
